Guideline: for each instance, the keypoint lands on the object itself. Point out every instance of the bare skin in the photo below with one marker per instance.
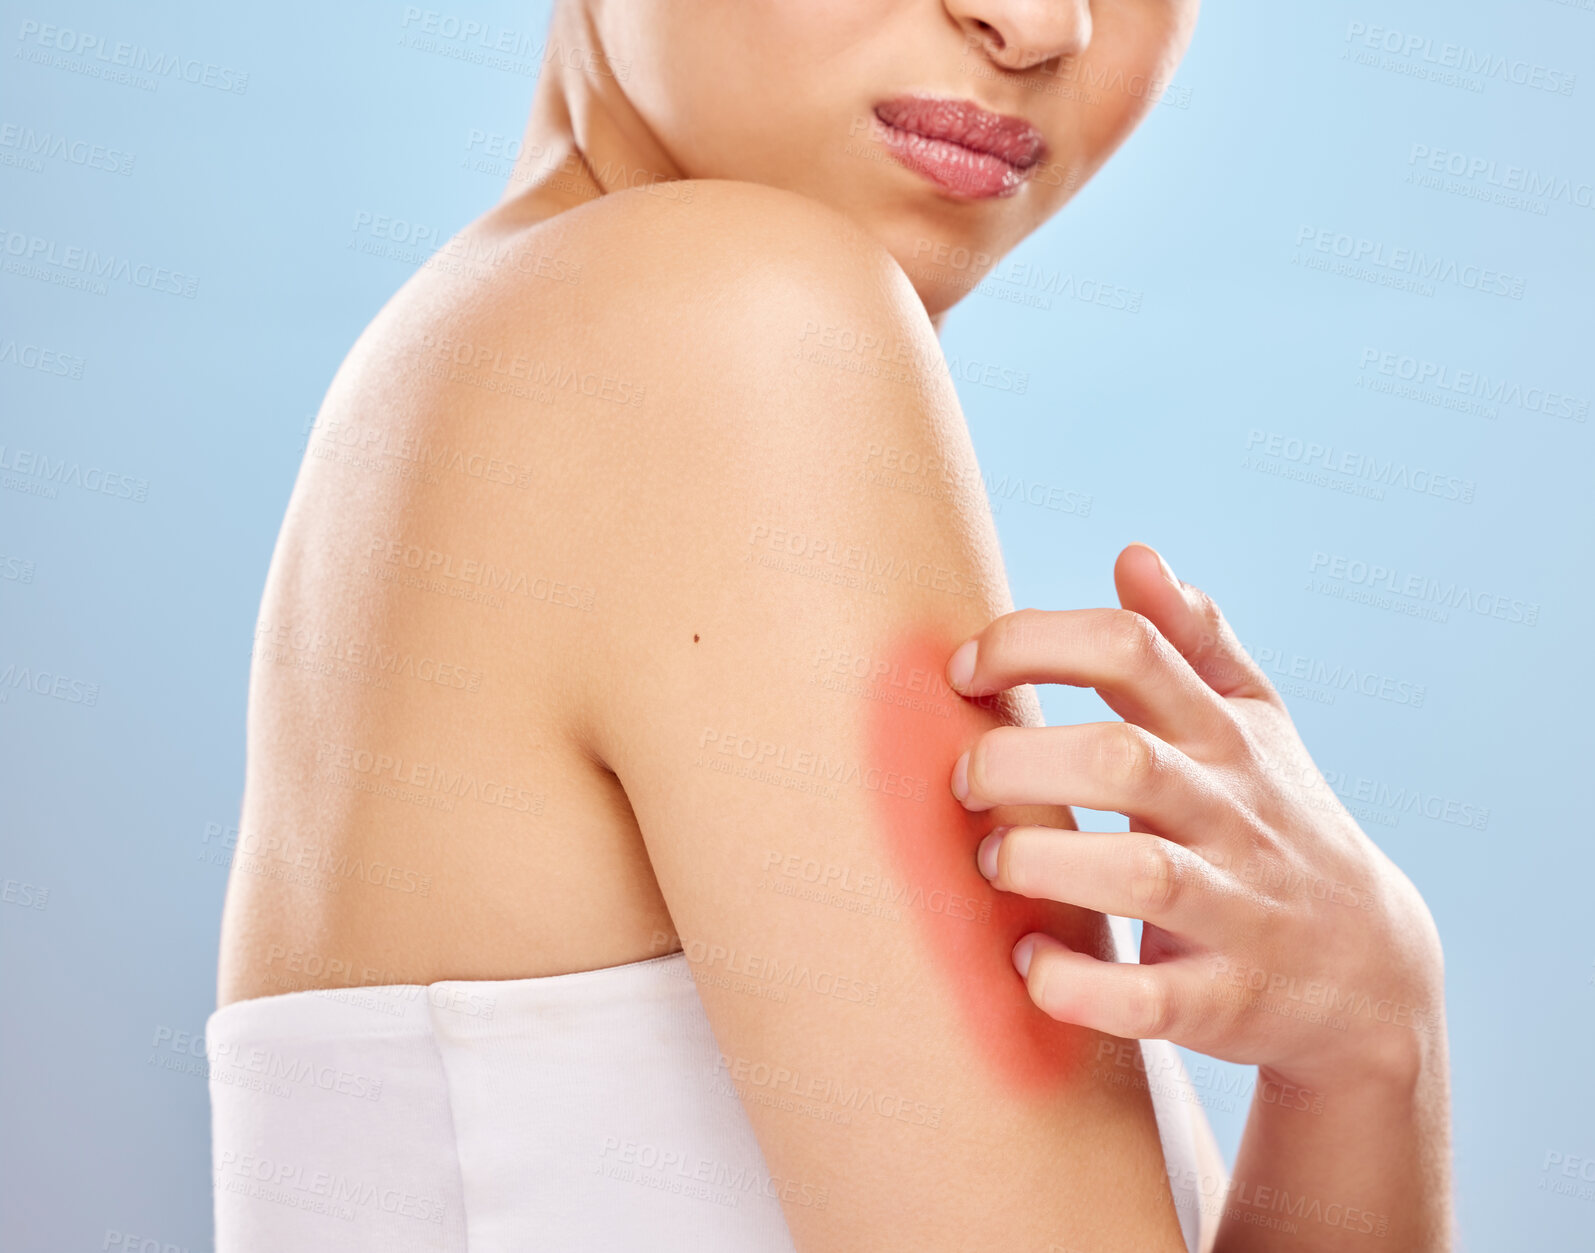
(665, 106)
(584, 806)
(1276, 934)
(594, 530)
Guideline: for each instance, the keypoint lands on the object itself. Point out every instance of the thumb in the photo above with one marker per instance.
(1191, 622)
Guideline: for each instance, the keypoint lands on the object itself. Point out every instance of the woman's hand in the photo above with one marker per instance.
(1276, 933)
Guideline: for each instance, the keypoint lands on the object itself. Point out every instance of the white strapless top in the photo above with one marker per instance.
(580, 1113)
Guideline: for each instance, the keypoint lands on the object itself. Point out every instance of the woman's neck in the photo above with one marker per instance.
(584, 139)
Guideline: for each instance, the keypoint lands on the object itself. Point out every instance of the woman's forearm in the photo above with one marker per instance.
(1359, 1162)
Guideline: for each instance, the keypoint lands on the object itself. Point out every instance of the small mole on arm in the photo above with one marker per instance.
(694, 639)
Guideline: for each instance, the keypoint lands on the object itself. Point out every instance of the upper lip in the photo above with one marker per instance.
(965, 123)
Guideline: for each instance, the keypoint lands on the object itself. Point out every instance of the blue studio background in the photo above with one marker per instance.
(1219, 348)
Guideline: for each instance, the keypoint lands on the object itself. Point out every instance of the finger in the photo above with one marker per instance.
(1124, 999)
(1112, 766)
(1190, 621)
(1131, 875)
(1121, 654)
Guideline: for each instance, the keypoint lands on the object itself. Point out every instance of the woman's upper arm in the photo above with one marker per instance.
(794, 542)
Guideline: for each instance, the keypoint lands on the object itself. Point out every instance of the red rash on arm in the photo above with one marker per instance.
(968, 926)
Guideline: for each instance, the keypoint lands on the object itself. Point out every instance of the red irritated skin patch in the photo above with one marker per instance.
(971, 928)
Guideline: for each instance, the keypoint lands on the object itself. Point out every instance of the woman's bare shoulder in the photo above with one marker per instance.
(787, 537)
(689, 270)
(745, 362)
(734, 352)
(711, 222)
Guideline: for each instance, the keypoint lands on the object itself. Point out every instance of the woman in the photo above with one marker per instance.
(645, 810)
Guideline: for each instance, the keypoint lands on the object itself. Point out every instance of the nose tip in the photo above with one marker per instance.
(1020, 34)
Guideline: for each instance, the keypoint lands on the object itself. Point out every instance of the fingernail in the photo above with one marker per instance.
(1168, 570)
(961, 667)
(961, 778)
(986, 854)
(1022, 952)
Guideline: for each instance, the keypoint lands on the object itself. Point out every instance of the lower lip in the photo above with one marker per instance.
(954, 168)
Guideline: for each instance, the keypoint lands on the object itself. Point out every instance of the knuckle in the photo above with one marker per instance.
(1133, 640)
(1214, 638)
(1157, 879)
(1126, 755)
(1151, 1009)
(1205, 607)
(1221, 668)
(1235, 741)
(1225, 1019)
(1263, 689)
(1020, 632)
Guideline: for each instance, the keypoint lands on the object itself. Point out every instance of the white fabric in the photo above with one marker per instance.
(581, 1113)
(1174, 1101)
